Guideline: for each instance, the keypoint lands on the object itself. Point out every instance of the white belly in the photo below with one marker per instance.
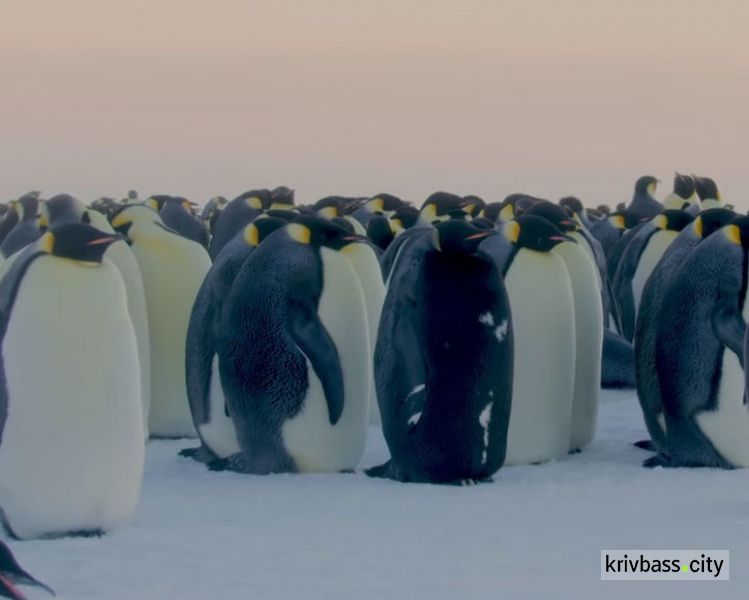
(172, 273)
(313, 443)
(588, 342)
(72, 450)
(367, 267)
(540, 293)
(219, 433)
(654, 249)
(728, 426)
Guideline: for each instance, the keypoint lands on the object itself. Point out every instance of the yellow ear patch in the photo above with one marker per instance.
(733, 233)
(254, 202)
(47, 242)
(376, 205)
(43, 220)
(151, 203)
(329, 212)
(512, 231)
(507, 213)
(252, 235)
(697, 226)
(617, 221)
(299, 233)
(120, 220)
(661, 222)
(429, 213)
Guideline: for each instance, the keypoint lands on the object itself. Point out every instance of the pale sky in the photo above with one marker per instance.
(210, 97)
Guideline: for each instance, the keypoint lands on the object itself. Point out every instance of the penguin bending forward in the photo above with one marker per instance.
(444, 362)
(71, 451)
(293, 349)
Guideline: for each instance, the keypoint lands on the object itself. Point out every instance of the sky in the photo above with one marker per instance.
(199, 98)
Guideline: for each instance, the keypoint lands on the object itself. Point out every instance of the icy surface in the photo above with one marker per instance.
(536, 532)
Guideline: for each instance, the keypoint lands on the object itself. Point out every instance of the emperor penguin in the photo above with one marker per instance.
(294, 355)
(173, 268)
(177, 214)
(9, 220)
(708, 193)
(281, 198)
(207, 402)
(649, 316)
(379, 231)
(379, 204)
(212, 210)
(403, 219)
(684, 196)
(575, 206)
(124, 259)
(608, 231)
(438, 206)
(643, 203)
(238, 213)
(638, 261)
(444, 362)
(543, 317)
(588, 320)
(61, 209)
(700, 355)
(72, 452)
(26, 230)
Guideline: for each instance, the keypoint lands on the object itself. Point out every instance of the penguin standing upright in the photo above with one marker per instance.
(638, 261)
(649, 316)
(643, 203)
(294, 354)
(586, 295)
(177, 214)
(707, 191)
(173, 269)
(72, 452)
(207, 402)
(26, 230)
(444, 362)
(684, 196)
(700, 352)
(543, 317)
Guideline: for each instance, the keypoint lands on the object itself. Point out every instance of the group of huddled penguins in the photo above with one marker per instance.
(478, 335)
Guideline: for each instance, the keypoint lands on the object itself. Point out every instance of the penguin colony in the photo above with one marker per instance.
(475, 334)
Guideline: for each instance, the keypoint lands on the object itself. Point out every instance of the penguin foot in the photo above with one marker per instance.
(200, 454)
(383, 471)
(645, 445)
(575, 451)
(659, 460)
(241, 463)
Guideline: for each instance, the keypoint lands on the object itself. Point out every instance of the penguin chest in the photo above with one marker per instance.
(727, 426)
(309, 438)
(74, 411)
(541, 303)
(654, 250)
(218, 433)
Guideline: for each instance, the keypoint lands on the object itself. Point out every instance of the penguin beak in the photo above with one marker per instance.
(481, 235)
(108, 239)
(562, 238)
(8, 590)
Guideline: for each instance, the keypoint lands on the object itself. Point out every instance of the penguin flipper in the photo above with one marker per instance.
(729, 327)
(315, 343)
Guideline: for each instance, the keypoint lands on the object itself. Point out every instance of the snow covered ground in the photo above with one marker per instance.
(536, 532)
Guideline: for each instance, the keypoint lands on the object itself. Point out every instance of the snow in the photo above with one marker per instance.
(536, 532)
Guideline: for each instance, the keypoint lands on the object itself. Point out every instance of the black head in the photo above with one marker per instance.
(683, 185)
(317, 231)
(77, 241)
(329, 207)
(286, 215)
(673, 220)
(58, 208)
(459, 237)
(603, 209)
(473, 205)
(483, 223)
(384, 203)
(706, 188)
(554, 214)
(282, 196)
(572, 204)
(157, 201)
(257, 199)
(709, 221)
(28, 206)
(491, 211)
(534, 233)
(646, 185)
(437, 207)
(379, 231)
(259, 229)
(404, 218)
(346, 224)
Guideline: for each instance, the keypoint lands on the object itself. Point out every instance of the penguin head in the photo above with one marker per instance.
(706, 188)
(534, 233)
(259, 229)
(473, 205)
(673, 220)
(437, 207)
(282, 198)
(135, 215)
(157, 201)
(684, 186)
(59, 209)
(646, 185)
(515, 205)
(329, 207)
(459, 237)
(255, 199)
(383, 204)
(737, 232)
(379, 231)
(603, 209)
(709, 221)
(77, 241)
(404, 218)
(553, 213)
(317, 231)
(573, 204)
(27, 206)
(491, 211)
